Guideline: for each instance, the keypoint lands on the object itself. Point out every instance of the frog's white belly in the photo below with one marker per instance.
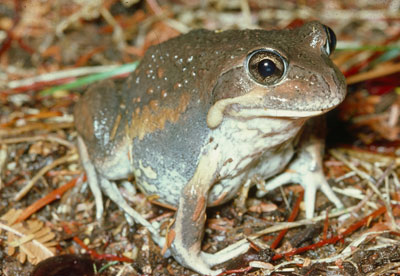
(258, 146)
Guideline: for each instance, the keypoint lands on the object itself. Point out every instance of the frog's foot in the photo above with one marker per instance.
(311, 181)
(202, 262)
(307, 171)
(186, 250)
(194, 260)
(228, 253)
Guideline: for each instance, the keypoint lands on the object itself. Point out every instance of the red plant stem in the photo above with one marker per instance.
(292, 217)
(24, 46)
(93, 253)
(85, 58)
(326, 226)
(334, 239)
(6, 44)
(240, 270)
(52, 196)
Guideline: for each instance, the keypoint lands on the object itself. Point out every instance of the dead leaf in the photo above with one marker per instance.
(30, 240)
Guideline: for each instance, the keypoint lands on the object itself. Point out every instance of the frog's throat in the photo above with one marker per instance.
(252, 103)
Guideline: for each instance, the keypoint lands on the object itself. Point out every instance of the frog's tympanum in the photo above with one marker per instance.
(203, 114)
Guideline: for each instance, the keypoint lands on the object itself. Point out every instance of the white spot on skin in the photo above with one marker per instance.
(148, 171)
(148, 188)
(217, 189)
(279, 99)
(162, 186)
(137, 172)
(190, 59)
(101, 130)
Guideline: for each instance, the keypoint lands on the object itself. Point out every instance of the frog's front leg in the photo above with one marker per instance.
(190, 218)
(306, 168)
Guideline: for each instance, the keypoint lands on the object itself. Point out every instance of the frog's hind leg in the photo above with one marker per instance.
(111, 189)
(99, 183)
(104, 151)
(92, 177)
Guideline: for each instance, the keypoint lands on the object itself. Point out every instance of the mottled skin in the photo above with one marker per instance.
(193, 124)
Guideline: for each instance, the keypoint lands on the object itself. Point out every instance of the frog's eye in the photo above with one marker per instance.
(330, 43)
(266, 66)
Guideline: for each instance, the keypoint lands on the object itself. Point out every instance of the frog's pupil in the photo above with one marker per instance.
(266, 68)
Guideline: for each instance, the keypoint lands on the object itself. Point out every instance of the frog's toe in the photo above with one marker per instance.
(196, 261)
(311, 182)
(228, 253)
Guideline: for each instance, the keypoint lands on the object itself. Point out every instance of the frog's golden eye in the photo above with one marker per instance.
(266, 66)
(330, 43)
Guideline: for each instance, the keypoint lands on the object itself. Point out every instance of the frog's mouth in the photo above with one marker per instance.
(265, 112)
(252, 106)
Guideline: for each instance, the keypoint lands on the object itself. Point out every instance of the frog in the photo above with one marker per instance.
(206, 113)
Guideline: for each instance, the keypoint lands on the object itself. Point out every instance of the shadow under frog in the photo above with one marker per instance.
(205, 113)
